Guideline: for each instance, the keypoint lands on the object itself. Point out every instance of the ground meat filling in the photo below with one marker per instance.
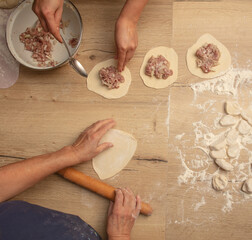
(207, 57)
(37, 41)
(73, 42)
(159, 67)
(110, 77)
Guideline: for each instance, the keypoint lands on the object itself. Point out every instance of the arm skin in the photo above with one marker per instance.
(19, 176)
(125, 31)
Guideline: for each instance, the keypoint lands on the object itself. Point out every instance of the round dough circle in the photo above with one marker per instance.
(94, 83)
(171, 56)
(224, 61)
(114, 159)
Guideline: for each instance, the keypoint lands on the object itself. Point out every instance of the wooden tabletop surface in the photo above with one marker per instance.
(45, 111)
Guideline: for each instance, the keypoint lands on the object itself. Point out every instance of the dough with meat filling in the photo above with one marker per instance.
(224, 61)
(171, 56)
(94, 83)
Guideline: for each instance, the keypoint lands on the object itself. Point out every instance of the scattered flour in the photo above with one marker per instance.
(203, 133)
(199, 204)
(224, 85)
(179, 137)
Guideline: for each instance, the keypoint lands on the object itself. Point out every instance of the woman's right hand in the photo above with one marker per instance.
(122, 214)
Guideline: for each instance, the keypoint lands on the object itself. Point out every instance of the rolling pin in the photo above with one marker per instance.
(96, 186)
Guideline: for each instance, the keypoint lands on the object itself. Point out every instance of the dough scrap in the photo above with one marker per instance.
(8, 3)
(218, 144)
(94, 83)
(113, 160)
(171, 56)
(224, 61)
(247, 186)
(246, 117)
(232, 137)
(218, 154)
(219, 182)
(224, 164)
(244, 127)
(232, 108)
(233, 150)
(228, 120)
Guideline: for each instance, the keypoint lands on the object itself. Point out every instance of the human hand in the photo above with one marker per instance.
(126, 41)
(122, 214)
(87, 145)
(49, 13)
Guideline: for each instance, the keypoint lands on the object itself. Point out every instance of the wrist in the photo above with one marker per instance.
(69, 156)
(124, 237)
(126, 20)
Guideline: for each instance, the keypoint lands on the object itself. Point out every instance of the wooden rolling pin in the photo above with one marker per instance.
(96, 186)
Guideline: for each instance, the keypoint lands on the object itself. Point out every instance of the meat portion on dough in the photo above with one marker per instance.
(110, 77)
(208, 57)
(37, 41)
(158, 67)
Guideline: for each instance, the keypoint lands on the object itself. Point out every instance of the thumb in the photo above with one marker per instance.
(103, 147)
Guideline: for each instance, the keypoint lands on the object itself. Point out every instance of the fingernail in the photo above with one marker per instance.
(111, 145)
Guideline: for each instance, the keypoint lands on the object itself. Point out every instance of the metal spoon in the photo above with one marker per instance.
(76, 65)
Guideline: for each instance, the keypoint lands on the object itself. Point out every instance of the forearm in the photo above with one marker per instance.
(17, 177)
(133, 9)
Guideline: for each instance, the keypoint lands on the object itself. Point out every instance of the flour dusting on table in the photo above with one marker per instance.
(199, 168)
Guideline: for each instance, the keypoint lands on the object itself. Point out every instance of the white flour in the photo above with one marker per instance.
(200, 168)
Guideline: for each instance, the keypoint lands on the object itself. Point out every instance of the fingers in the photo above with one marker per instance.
(43, 23)
(103, 147)
(52, 25)
(103, 129)
(138, 206)
(95, 126)
(121, 54)
(110, 209)
(129, 55)
(58, 15)
(126, 201)
(118, 199)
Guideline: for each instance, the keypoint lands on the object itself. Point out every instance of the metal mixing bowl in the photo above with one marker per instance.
(23, 17)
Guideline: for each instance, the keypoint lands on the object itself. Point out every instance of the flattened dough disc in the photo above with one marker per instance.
(94, 83)
(224, 61)
(113, 160)
(171, 56)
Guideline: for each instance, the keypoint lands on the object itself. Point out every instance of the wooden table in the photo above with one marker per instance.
(46, 111)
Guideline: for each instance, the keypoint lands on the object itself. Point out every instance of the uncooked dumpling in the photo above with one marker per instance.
(219, 182)
(224, 61)
(114, 159)
(247, 186)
